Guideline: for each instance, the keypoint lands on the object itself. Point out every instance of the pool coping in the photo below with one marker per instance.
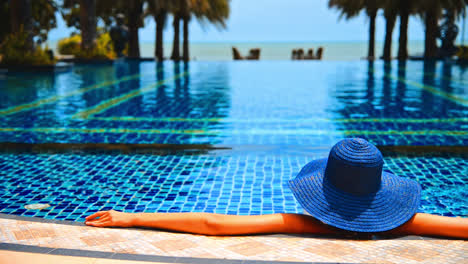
(80, 252)
(120, 256)
(76, 223)
(161, 149)
(136, 257)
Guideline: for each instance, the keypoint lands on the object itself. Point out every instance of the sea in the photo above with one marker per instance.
(222, 51)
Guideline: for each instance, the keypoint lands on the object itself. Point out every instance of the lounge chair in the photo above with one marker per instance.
(236, 54)
(300, 54)
(294, 54)
(254, 54)
(310, 55)
(319, 54)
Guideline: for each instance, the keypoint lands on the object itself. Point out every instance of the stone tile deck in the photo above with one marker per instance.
(12, 257)
(73, 239)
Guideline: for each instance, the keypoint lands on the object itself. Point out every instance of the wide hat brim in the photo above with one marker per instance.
(392, 205)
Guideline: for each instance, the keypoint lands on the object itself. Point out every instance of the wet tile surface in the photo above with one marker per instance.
(247, 183)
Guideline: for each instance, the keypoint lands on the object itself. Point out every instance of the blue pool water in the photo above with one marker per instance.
(76, 185)
(245, 103)
(251, 127)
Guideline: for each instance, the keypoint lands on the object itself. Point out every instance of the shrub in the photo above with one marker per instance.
(69, 46)
(16, 52)
(103, 48)
(462, 52)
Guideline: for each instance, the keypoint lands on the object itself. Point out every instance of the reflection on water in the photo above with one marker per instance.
(400, 94)
(428, 79)
(19, 87)
(401, 87)
(277, 116)
(237, 103)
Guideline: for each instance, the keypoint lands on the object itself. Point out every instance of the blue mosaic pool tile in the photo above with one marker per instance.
(78, 184)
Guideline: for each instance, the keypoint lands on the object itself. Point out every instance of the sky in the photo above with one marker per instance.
(276, 21)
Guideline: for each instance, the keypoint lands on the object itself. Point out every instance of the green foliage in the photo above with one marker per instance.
(462, 52)
(43, 15)
(69, 46)
(5, 14)
(70, 10)
(103, 48)
(106, 11)
(215, 12)
(15, 52)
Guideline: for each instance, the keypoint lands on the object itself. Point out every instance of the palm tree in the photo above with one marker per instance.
(74, 13)
(390, 14)
(186, 16)
(43, 17)
(159, 10)
(352, 8)
(212, 11)
(405, 8)
(431, 11)
(5, 27)
(88, 23)
(134, 17)
(35, 18)
(21, 19)
(177, 9)
(371, 9)
(206, 11)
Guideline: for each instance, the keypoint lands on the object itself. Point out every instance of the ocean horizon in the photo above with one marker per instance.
(221, 51)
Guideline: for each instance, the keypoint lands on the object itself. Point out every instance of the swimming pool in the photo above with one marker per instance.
(222, 136)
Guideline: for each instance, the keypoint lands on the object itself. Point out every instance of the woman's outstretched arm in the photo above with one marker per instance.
(218, 224)
(212, 224)
(434, 225)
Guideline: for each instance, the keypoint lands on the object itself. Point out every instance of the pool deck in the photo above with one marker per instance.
(52, 241)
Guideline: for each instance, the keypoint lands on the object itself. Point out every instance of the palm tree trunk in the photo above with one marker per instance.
(160, 20)
(135, 10)
(403, 38)
(186, 55)
(389, 25)
(371, 52)
(15, 16)
(176, 42)
(87, 23)
(21, 20)
(431, 21)
(28, 23)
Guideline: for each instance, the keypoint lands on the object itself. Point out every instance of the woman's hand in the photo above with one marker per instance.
(110, 218)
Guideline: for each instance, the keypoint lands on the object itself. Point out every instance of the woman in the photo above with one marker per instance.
(348, 193)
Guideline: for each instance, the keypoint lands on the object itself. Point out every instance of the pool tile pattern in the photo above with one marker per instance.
(265, 248)
(278, 107)
(274, 103)
(228, 182)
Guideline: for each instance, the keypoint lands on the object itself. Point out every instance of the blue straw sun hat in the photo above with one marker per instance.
(349, 190)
